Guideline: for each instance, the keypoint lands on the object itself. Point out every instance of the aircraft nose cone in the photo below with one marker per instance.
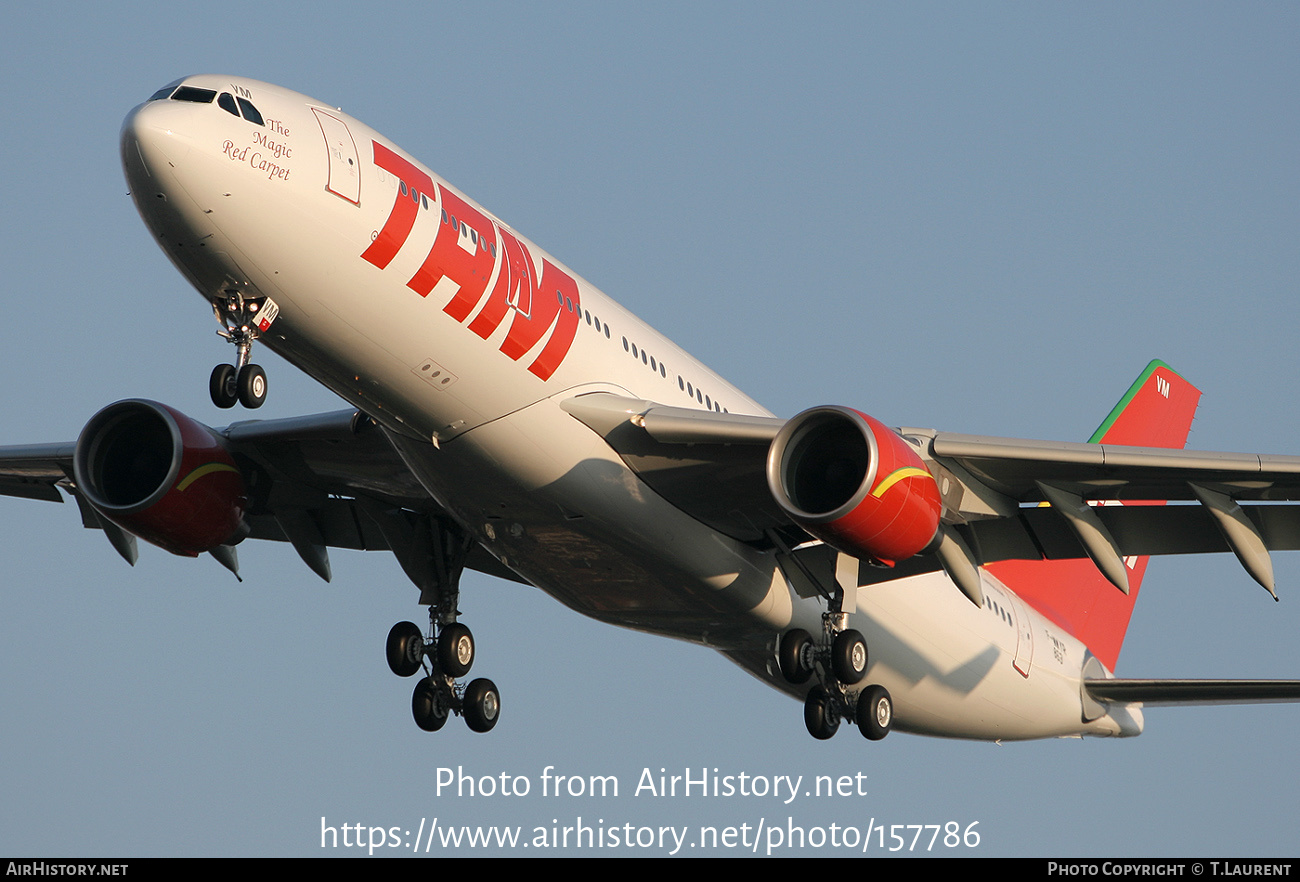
(149, 143)
(157, 143)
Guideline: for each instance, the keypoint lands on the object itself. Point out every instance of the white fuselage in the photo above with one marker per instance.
(334, 223)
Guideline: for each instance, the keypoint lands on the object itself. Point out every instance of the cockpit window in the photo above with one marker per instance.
(198, 96)
(166, 90)
(250, 112)
(226, 102)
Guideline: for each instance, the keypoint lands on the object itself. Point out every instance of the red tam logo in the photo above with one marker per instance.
(464, 255)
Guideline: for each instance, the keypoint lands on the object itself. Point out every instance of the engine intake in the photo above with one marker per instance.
(852, 482)
(161, 476)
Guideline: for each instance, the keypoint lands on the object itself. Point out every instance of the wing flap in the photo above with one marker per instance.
(29, 488)
(34, 471)
(1137, 529)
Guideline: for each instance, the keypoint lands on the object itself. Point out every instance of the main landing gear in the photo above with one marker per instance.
(243, 319)
(437, 696)
(840, 661)
(433, 555)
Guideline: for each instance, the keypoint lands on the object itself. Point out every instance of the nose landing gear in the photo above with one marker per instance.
(243, 320)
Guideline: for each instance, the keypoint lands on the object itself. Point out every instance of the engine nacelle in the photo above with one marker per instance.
(852, 482)
(161, 476)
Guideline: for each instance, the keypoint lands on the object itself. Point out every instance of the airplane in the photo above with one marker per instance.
(505, 415)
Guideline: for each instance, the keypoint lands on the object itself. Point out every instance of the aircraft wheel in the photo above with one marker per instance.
(875, 712)
(821, 714)
(849, 657)
(429, 705)
(405, 648)
(482, 705)
(795, 656)
(456, 649)
(222, 386)
(252, 386)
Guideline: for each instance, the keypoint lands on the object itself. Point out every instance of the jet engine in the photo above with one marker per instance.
(855, 484)
(161, 476)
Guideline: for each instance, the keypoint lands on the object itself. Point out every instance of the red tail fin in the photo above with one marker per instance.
(1156, 411)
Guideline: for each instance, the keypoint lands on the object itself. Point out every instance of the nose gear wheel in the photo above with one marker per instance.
(242, 322)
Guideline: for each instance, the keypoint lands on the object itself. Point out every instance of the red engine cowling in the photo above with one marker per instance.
(161, 476)
(852, 482)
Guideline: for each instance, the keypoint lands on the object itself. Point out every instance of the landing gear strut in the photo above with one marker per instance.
(433, 555)
(838, 656)
(243, 319)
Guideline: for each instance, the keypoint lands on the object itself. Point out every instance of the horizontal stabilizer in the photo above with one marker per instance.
(1195, 691)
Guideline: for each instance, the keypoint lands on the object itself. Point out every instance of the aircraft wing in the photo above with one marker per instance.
(321, 481)
(1004, 498)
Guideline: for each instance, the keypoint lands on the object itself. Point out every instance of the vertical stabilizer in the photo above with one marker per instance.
(1156, 411)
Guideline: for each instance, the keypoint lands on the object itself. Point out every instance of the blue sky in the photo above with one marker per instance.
(976, 218)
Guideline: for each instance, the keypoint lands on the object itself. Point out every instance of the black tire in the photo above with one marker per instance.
(820, 714)
(875, 714)
(482, 706)
(252, 386)
(222, 386)
(429, 705)
(405, 649)
(794, 656)
(456, 650)
(849, 657)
